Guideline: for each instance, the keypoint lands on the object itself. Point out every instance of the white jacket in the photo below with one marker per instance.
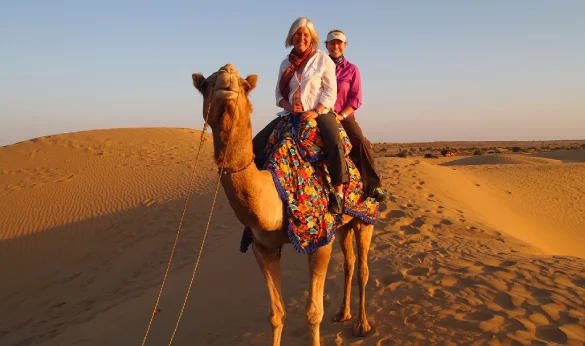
(318, 83)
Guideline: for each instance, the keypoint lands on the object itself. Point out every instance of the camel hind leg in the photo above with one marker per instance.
(345, 235)
(318, 264)
(269, 262)
(363, 239)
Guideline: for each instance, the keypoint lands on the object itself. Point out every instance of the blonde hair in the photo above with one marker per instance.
(298, 23)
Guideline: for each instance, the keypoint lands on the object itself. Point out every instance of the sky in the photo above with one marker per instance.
(431, 70)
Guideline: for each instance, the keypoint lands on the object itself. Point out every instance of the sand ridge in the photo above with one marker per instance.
(460, 255)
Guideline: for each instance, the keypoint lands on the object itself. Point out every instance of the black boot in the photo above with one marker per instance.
(379, 194)
(336, 203)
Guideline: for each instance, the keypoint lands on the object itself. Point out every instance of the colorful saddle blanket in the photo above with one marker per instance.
(297, 163)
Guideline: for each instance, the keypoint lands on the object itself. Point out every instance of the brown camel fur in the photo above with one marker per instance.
(253, 196)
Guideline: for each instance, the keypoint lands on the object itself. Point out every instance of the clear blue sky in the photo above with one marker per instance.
(432, 70)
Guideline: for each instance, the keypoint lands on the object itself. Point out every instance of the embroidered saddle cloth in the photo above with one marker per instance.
(297, 163)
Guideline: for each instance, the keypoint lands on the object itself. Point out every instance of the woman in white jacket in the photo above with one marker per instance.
(307, 87)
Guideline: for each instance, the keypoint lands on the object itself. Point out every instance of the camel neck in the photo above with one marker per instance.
(233, 145)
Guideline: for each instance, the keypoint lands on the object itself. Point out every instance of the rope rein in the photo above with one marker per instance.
(221, 172)
(230, 172)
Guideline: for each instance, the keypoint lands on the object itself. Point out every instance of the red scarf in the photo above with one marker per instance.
(296, 60)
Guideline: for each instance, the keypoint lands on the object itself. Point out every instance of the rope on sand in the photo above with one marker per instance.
(155, 310)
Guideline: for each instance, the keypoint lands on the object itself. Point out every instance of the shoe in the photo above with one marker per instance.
(336, 203)
(379, 195)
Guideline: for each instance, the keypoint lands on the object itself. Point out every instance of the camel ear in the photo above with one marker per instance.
(252, 79)
(198, 80)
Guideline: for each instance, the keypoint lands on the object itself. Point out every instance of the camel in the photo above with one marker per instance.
(253, 196)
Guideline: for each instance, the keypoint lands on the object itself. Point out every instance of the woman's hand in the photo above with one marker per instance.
(308, 115)
(297, 108)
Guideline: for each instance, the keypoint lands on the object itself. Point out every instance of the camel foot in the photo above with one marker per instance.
(361, 329)
(342, 316)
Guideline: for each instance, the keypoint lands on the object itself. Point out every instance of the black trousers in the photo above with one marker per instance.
(331, 139)
(362, 154)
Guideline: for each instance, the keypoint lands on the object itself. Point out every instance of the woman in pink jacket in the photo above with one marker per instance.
(349, 99)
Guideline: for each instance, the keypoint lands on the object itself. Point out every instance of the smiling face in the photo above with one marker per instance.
(336, 48)
(301, 39)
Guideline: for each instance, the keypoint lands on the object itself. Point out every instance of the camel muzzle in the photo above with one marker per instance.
(226, 84)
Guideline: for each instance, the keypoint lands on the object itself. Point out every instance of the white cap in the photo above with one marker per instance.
(336, 35)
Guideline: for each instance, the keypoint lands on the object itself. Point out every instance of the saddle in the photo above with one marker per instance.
(297, 161)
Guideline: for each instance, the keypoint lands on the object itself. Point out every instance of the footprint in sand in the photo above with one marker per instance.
(64, 178)
(392, 278)
(579, 283)
(478, 316)
(417, 271)
(382, 207)
(436, 292)
(57, 305)
(552, 334)
(33, 154)
(486, 268)
(542, 295)
(379, 247)
(396, 214)
(420, 257)
(508, 263)
(409, 230)
(418, 222)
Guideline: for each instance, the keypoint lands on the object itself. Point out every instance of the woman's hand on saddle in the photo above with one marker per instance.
(305, 116)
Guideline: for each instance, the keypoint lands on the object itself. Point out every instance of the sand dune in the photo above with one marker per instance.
(466, 252)
(500, 159)
(548, 194)
(565, 156)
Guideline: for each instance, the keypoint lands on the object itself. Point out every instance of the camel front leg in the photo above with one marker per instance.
(318, 263)
(269, 262)
(363, 238)
(345, 235)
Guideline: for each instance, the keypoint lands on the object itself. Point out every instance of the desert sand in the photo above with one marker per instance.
(478, 250)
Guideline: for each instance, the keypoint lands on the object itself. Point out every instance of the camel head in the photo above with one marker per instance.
(225, 94)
